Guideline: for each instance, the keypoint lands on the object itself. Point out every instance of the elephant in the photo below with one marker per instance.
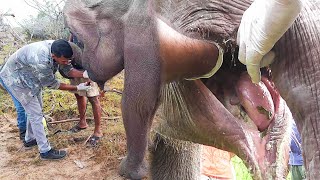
(165, 46)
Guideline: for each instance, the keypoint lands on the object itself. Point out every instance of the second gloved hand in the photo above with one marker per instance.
(83, 87)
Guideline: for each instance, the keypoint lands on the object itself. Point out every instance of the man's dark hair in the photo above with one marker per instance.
(60, 48)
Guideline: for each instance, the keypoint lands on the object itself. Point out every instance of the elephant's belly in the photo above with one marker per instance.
(184, 57)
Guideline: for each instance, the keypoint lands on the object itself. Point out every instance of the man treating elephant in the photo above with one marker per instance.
(262, 25)
(26, 72)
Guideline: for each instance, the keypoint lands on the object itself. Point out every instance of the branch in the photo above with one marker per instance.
(78, 119)
(113, 90)
(16, 35)
(37, 8)
(8, 14)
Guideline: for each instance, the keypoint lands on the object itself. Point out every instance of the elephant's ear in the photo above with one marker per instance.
(82, 22)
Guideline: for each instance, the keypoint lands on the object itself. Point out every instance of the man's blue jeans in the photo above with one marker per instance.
(21, 114)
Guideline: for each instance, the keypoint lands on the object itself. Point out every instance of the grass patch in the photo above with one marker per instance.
(242, 173)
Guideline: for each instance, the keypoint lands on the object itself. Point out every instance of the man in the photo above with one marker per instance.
(26, 72)
(296, 160)
(92, 94)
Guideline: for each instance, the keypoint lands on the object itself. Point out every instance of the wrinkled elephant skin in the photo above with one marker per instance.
(161, 43)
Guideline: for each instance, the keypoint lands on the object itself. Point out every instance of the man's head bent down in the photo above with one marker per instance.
(61, 51)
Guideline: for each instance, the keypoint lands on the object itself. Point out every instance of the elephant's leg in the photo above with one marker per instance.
(141, 87)
(139, 103)
(174, 159)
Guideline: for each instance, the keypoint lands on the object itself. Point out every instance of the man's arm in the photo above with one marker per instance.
(67, 87)
(76, 73)
(69, 72)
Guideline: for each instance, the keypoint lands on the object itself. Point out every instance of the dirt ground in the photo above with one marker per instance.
(82, 162)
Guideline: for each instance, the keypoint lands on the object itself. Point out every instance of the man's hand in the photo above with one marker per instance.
(83, 87)
(262, 25)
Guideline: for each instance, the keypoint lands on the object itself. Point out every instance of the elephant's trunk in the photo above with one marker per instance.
(184, 57)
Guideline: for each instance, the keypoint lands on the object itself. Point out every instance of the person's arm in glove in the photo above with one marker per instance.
(80, 87)
(262, 25)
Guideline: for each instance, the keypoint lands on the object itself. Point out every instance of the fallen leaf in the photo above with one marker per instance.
(79, 164)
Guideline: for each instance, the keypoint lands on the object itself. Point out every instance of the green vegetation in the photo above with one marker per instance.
(6, 51)
(242, 173)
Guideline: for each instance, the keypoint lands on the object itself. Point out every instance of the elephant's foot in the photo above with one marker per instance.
(132, 170)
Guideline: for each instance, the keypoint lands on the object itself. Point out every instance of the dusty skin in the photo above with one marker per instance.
(100, 163)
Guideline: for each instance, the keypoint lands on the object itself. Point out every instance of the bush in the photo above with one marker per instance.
(49, 24)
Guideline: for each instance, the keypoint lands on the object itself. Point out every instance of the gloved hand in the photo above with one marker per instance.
(262, 25)
(83, 87)
(85, 74)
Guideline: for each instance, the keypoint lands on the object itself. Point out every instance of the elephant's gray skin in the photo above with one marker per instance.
(296, 73)
(132, 34)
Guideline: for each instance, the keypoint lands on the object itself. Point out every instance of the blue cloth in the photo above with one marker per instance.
(21, 114)
(295, 147)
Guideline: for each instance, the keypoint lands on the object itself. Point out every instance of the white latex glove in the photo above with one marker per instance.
(262, 25)
(83, 87)
(85, 74)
